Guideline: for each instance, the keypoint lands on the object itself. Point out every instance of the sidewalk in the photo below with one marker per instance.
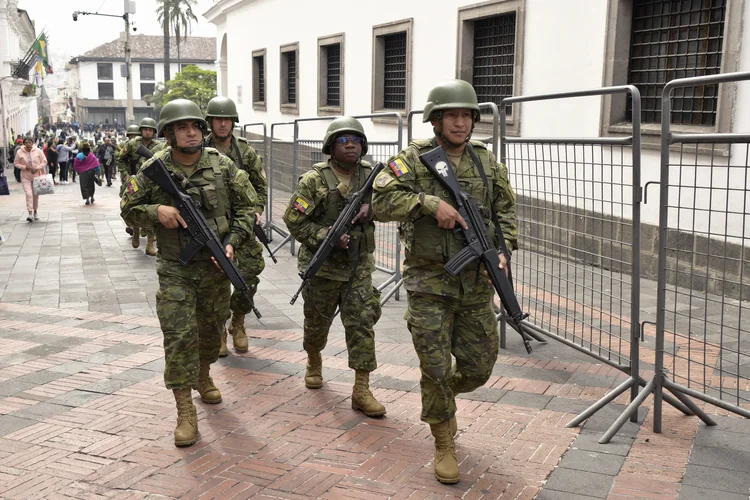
(84, 412)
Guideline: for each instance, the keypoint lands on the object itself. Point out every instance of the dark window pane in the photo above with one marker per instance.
(333, 75)
(106, 91)
(260, 79)
(104, 71)
(147, 72)
(147, 89)
(676, 39)
(291, 77)
(394, 74)
(494, 57)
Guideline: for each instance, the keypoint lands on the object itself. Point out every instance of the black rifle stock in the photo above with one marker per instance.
(479, 246)
(342, 226)
(201, 234)
(263, 238)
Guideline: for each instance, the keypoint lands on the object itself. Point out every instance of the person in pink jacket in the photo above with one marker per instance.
(32, 162)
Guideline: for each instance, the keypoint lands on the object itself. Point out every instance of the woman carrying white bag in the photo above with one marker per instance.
(32, 163)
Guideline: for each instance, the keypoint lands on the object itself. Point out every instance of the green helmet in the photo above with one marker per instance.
(133, 130)
(179, 109)
(147, 123)
(342, 125)
(451, 94)
(222, 107)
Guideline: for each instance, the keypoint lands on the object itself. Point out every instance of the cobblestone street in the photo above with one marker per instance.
(84, 412)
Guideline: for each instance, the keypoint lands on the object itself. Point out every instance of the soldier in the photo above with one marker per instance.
(345, 280)
(221, 116)
(447, 315)
(128, 163)
(192, 302)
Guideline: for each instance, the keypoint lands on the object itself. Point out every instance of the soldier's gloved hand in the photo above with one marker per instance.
(364, 215)
(447, 216)
(170, 217)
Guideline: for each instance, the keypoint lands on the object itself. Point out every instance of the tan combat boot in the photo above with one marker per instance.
(314, 370)
(223, 353)
(237, 331)
(136, 239)
(150, 248)
(205, 386)
(454, 425)
(362, 398)
(186, 432)
(446, 465)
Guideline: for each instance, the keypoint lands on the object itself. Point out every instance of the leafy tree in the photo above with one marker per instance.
(193, 83)
(175, 17)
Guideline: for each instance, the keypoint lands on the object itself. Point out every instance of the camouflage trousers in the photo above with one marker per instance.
(360, 310)
(464, 327)
(192, 304)
(249, 260)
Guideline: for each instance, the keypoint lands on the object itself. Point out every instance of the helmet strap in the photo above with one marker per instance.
(345, 166)
(439, 133)
(185, 150)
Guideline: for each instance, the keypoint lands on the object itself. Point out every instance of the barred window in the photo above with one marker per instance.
(494, 58)
(333, 75)
(394, 76)
(147, 72)
(676, 39)
(259, 79)
(291, 77)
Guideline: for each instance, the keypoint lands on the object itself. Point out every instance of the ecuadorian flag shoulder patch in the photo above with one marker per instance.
(398, 167)
(300, 204)
(132, 186)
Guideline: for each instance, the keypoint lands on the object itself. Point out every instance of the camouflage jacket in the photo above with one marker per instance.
(312, 209)
(251, 163)
(408, 193)
(224, 193)
(128, 154)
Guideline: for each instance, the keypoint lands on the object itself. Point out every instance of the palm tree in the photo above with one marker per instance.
(182, 17)
(175, 16)
(163, 16)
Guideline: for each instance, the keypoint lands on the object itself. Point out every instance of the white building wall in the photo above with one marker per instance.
(89, 88)
(564, 49)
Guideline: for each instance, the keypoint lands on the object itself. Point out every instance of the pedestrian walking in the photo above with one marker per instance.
(87, 165)
(31, 162)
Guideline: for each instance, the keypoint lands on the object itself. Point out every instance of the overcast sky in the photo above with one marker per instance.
(68, 38)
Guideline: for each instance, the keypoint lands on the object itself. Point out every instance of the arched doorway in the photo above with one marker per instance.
(224, 77)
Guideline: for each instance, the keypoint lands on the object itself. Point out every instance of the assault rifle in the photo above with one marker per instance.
(201, 234)
(479, 246)
(342, 226)
(261, 235)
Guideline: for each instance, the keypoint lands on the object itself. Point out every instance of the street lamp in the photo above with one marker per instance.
(129, 9)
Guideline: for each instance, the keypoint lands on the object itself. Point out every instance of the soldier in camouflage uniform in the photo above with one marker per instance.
(128, 163)
(345, 280)
(447, 316)
(221, 116)
(192, 302)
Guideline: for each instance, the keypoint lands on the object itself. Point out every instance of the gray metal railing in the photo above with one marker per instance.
(281, 182)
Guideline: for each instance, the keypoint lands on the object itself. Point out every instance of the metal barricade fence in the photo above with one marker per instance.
(308, 152)
(281, 181)
(258, 141)
(576, 271)
(702, 332)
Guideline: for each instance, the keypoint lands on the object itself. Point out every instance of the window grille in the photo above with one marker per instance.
(494, 58)
(333, 75)
(394, 74)
(676, 39)
(291, 77)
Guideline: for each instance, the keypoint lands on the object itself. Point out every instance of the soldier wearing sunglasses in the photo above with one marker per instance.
(345, 280)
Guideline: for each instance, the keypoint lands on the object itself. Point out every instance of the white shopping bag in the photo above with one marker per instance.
(43, 184)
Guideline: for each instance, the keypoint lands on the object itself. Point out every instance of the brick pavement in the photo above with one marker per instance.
(84, 414)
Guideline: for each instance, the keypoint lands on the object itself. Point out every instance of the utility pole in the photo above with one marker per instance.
(129, 9)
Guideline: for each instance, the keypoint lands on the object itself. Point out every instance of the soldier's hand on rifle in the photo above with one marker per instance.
(230, 255)
(364, 215)
(503, 265)
(343, 241)
(170, 217)
(447, 216)
(257, 218)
